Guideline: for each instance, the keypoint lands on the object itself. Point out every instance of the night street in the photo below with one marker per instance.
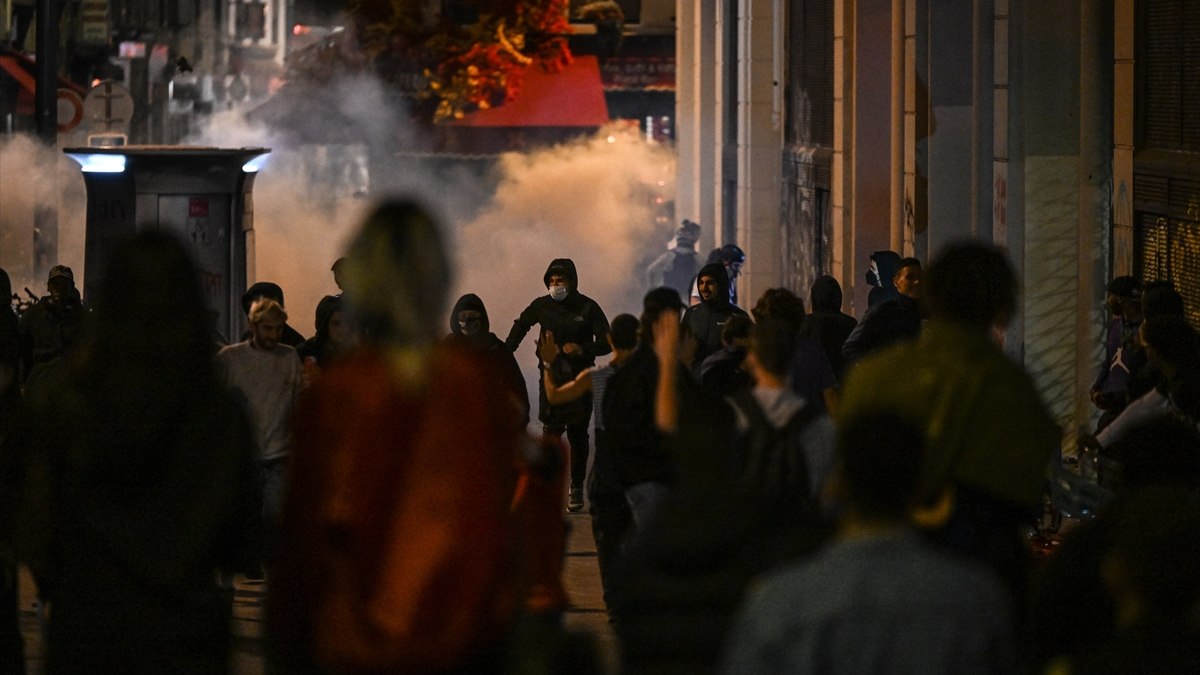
(581, 576)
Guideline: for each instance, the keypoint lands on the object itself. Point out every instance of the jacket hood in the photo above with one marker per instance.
(888, 263)
(826, 295)
(565, 267)
(325, 310)
(259, 290)
(717, 272)
(466, 302)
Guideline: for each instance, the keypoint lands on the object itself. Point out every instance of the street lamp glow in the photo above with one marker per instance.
(255, 164)
(100, 163)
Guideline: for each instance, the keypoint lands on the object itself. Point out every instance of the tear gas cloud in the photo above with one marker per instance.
(32, 175)
(592, 200)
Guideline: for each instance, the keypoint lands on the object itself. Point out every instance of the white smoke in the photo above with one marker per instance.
(592, 200)
(34, 175)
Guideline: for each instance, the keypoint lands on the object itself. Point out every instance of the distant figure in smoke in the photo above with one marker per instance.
(339, 271)
(470, 328)
(678, 266)
(581, 331)
(54, 326)
(396, 555)
(266, 289)
(139, 479)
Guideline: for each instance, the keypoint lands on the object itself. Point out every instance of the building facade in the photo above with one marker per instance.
(815, 132)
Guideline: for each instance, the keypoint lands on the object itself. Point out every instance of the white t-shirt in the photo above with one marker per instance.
(269, 381)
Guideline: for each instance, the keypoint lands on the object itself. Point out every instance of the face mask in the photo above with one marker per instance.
(559, 293)
(471, 327)
(873, 275)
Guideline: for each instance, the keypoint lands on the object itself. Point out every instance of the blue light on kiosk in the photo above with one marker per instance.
(255, 164)
(100, 163)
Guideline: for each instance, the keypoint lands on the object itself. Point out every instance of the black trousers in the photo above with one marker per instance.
(573, 418)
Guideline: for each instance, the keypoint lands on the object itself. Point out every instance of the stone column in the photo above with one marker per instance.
(760, 138)
(696, 118)
(870, 197)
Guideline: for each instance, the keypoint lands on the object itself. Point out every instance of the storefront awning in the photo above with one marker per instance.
(20, 69)
(571, 98)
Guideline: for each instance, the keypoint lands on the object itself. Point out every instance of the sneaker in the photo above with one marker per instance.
(575, 499)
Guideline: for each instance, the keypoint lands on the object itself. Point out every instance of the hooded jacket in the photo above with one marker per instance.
(575, 319)
(506, 374)
(705, 320)
(883, 288)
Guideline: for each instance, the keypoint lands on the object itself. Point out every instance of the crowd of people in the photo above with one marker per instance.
(779, 490)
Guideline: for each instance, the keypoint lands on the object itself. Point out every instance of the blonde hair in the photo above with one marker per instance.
(266, 308)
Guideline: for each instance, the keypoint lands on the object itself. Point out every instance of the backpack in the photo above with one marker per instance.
(771, 462)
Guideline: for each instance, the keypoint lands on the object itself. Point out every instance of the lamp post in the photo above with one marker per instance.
(45, 217)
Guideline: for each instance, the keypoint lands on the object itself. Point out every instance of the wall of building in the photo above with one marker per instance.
(988, 119)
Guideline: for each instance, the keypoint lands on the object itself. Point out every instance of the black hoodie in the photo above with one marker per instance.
(507, 374)
(575, 319)
(705, 320)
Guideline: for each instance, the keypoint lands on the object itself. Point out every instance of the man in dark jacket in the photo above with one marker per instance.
(581, 331)
(827, 324)
(705, 320)
(54, 326)
(892, 320)
(470, 328)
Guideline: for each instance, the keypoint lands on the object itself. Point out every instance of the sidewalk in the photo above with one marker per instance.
(581, 575)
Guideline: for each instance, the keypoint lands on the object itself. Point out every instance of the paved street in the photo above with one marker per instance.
(582, 579)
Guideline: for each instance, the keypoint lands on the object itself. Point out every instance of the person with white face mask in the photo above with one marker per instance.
(581, 331)
(470, 328)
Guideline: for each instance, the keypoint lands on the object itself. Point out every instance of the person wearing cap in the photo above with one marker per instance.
(266, 289)
(678, 266)
(1123, 354)
(53, 326)
(339, 272)
(581, 331)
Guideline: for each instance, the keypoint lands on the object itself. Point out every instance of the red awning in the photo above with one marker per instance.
(20, 69)
(571, 98)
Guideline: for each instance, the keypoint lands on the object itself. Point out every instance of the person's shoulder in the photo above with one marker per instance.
(234, 349)
(282, 351)
(586, 301)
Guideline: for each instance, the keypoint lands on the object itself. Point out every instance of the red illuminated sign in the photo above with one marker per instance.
(198, 207)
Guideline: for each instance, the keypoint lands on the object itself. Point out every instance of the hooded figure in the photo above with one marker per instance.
(325, 345)
(581, 331)
(827, 324)
(678, 266)
(470, 328)
(884, 265)
(705, 320)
